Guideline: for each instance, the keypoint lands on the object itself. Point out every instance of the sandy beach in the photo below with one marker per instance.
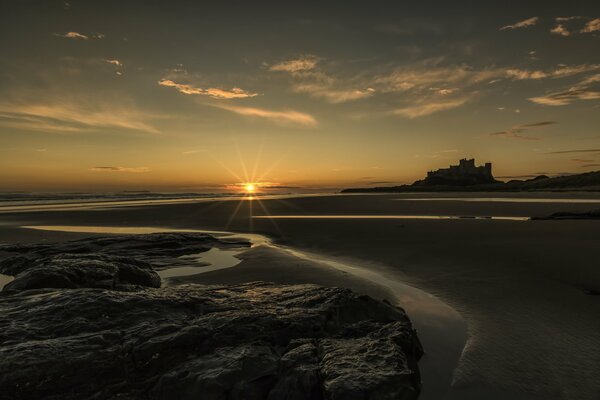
(520, 288)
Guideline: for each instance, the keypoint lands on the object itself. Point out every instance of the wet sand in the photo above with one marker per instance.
(522, 286)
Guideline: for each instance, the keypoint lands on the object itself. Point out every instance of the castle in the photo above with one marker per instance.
(465, 173)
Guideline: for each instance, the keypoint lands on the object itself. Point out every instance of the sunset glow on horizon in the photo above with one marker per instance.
(191, 97)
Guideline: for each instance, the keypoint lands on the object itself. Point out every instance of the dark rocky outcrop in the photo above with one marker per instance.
(252, 341)
(594, 214)
(589, 181)
(159, 249)
(95, 326)
(78, 270)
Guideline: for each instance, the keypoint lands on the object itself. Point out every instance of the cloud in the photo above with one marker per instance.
(515, 131)
(188, 152)
(63, 117)
(121, 169)
(72, 35)
(592, 26)
(575, 151)
(333, 95)
(565, 97)
(307, 78)
(565, 19)
(522, 24)
(115, 62)
(590, 166)
(304, 63)
(586, 89)
(520, 74)
(287, 116)
(427, 74)
(561, 30)
(581, 160)
(79, 36)
(430, 107)
(215, 93)
(118, 65)
(562, 71)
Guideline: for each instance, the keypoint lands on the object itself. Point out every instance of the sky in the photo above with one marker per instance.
(204, 96)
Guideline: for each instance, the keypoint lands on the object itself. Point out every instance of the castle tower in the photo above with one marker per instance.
(488, 168)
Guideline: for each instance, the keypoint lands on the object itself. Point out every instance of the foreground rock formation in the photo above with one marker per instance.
(110, 332)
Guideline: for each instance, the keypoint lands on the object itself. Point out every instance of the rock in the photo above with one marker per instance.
(88, 320)
(160, 249)
(78, 271)
(250, 341)
(594, 214)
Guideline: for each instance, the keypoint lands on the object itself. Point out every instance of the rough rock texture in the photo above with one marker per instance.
(160, 249)
(77, 271)
(251, 341)
(88, 320)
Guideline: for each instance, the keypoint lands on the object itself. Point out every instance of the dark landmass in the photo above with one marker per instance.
(594, 214)
(463, 174)
(94, 325)
(589, 181)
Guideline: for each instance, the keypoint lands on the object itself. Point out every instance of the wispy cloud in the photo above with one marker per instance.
(430, 106)
(575, 151)
(189, 152)
(62, 117)
(121, 169)
(562, 71)
(515, 131)
(79, 36)
(429, 73)
(581, 160)
(429, 86)
(565, 19)
(565, 97)
(522, 24)
(332, 94)
(592, 26)
(561, 30)
(287, 116)
(304, 63)
(72, 35)
(307, 77)
(586, 89)
(596, 165)
(114, 62)
(215, 93)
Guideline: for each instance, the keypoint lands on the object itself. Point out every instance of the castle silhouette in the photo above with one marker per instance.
(465, 173)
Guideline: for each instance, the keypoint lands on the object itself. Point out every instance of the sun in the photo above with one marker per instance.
(250, 187)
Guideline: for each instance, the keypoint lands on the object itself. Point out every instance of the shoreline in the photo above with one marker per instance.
(441, 329)
(502, 276)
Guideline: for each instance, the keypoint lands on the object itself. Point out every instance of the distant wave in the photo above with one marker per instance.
(22, 198)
